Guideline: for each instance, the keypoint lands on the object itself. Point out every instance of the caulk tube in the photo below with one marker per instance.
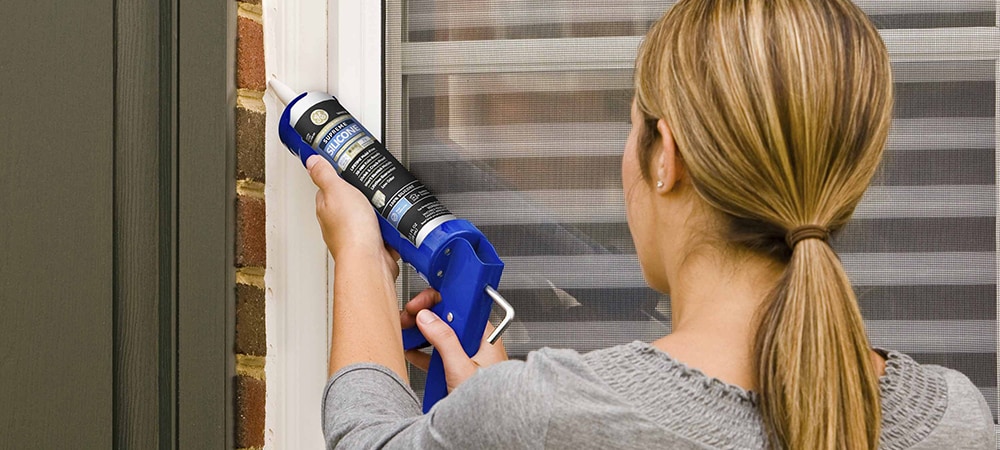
(362, 161)
(315, 123)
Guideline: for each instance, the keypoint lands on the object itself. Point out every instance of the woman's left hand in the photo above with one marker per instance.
(345, 216)
(458, 367)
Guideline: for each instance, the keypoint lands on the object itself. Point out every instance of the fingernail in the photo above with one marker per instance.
(426, 316)
(312, 161)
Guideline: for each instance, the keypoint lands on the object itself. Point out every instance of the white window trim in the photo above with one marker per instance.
(333, 46)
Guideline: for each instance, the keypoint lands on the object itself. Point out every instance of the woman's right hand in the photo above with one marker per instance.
(458, 367)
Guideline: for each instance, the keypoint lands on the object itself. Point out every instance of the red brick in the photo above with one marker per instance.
(251, 247)
(251, 336)
(249, 145)
(249, 54)
(250, 397)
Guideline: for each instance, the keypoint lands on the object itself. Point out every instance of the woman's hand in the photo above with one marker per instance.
(457, 365)
(345, 216)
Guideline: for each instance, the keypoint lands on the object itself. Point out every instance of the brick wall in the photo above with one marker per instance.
(251, 250)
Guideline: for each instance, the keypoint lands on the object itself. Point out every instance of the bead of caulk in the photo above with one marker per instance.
(450, 317)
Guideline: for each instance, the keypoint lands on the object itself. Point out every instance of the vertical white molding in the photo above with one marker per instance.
(295, 47)
(355, 59)
(333, 46)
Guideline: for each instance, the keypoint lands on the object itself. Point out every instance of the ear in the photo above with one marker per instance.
(667, 163)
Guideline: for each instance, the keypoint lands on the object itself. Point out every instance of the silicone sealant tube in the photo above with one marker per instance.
(364, 162)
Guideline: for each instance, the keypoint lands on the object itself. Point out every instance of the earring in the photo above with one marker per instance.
(659, 184)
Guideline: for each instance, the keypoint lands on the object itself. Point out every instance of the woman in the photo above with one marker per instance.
(756, 127)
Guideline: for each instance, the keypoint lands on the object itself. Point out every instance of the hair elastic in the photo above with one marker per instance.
(804, 232)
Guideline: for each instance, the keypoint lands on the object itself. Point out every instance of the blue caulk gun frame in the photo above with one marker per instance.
(456, 259)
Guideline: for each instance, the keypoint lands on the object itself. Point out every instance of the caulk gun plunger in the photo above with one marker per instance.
(281, 90)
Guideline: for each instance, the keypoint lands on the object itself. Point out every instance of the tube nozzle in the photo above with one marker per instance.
(281, 90)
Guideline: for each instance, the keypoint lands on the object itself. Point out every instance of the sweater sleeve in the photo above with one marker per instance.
(967, 422)
(502, 406)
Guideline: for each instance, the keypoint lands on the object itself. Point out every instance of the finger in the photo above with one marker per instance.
(419, 359)
(426, 299)
(322, 173)
(392, 264)
(407, 320)
(392, 253)
(457, 365)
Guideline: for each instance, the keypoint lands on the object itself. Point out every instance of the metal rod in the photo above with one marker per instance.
(508, 312)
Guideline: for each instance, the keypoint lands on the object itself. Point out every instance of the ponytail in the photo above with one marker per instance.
(818, 387)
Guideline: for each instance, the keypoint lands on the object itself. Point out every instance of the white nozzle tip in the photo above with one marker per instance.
(281, 90)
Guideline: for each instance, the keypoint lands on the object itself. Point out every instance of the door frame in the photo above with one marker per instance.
(175, 97)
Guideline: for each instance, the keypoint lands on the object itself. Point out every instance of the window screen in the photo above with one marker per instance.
(516, 112)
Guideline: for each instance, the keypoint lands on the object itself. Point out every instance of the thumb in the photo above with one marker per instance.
(321, 172)
(457, 365)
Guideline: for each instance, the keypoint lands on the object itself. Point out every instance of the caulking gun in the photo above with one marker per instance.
(449, 253)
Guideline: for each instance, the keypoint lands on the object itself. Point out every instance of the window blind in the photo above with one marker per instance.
(516, 113)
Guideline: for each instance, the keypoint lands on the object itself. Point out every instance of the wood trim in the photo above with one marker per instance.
(297, 295)
(136, 221)
(206, 101)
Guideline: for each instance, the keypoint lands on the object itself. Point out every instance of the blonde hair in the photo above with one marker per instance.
(780, 110)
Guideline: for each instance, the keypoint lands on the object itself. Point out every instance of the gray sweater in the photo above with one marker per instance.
(632, 397)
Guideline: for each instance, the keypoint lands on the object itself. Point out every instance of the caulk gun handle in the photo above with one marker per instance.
(471, 268)
(436, 387)
(465, 305)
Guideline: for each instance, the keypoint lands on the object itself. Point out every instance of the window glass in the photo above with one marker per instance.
(461, 20)
(529, 150)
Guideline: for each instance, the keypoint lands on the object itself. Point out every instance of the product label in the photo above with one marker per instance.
(363, 162)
